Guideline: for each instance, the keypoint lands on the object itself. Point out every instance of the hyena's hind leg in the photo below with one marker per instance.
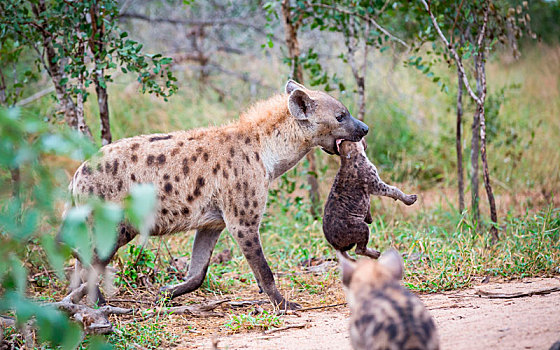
(91, 274)
(361, 231)
(380, 188)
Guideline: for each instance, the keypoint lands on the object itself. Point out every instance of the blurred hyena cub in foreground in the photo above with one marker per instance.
(384, 314)
(348, 207)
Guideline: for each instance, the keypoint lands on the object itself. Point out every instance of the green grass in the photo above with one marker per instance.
(263, 320)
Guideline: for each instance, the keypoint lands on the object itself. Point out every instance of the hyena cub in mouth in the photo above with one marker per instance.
(384, 314)
(347, 211)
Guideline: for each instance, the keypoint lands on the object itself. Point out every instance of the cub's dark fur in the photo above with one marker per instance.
(384, 314)
(347, 211)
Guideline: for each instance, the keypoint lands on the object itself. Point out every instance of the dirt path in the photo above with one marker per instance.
(464, 320)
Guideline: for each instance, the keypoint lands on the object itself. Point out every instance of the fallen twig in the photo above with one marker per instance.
(492, 295)
(274, 330)
(130, 301)
(203, 310)
(321, 307)
(242, 303)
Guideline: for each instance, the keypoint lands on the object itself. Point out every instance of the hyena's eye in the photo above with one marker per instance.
(340, 117)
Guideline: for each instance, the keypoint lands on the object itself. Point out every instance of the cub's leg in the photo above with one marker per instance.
(203, 246)
(361, 232)
(380, 188)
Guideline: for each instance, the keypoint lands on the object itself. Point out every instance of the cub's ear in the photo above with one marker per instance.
(292, 85)
(347, 268)
(364, 142)
(301, 106)
(393, 262)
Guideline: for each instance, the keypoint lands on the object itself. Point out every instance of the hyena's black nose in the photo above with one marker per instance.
(362, 128)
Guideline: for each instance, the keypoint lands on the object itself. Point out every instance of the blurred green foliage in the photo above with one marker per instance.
(31, 190)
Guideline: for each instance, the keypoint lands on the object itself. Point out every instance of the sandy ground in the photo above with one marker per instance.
(464, 319)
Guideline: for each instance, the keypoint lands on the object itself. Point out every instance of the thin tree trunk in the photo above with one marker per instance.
(102, 100)
(96, 47)
(458, 142)
(56, 71)
(359, 74)
(475, 151)
(481, 72)
(292, 42)
(82, 126)
(3, 88)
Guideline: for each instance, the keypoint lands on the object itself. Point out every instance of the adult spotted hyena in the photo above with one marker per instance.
(211, 178)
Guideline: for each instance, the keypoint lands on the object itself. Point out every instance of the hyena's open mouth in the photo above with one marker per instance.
(336, 147)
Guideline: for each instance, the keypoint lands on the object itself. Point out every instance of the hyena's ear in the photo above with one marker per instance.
(393, 262)
(301, 106)
(292, 85)
(347, 268)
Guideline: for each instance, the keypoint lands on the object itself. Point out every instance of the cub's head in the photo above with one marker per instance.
(350, 150)
(324, 118)
(371, 274)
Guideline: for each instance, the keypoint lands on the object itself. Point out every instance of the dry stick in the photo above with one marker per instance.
(492, 295)
(35, 96)
(321, 307)
(274, 330)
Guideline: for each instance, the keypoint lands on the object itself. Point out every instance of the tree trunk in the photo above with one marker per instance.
(458, 143)
(102, 100)
(481, 72)
(82, 126)
(475, 151)
(96, 47)
(3, 94)
(292, 42)
(359, 74)
(56, 71)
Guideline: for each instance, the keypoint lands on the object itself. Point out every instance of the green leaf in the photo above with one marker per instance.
(72, 336)
(55, 257)
(140, 206)
(76, 234)
(19, 274)
(106, 217)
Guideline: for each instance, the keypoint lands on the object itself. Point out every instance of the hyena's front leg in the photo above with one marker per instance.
(380, 188)
(203, 246)
(249, 241)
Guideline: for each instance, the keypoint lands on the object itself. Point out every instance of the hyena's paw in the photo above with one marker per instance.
(287, 305)
(410, 199)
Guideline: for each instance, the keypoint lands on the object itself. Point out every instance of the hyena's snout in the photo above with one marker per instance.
(360, 130)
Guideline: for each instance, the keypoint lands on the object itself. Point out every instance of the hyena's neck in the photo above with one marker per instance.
(283, 142)
(283, 149)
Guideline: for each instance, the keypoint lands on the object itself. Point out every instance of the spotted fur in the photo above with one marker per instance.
(211, 178)
(347, 210)
(384, 314)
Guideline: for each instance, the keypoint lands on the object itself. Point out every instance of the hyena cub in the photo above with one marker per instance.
(384, 314)
(347, 211)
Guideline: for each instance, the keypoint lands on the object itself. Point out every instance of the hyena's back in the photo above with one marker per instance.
(185, 166)
(392, 318)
